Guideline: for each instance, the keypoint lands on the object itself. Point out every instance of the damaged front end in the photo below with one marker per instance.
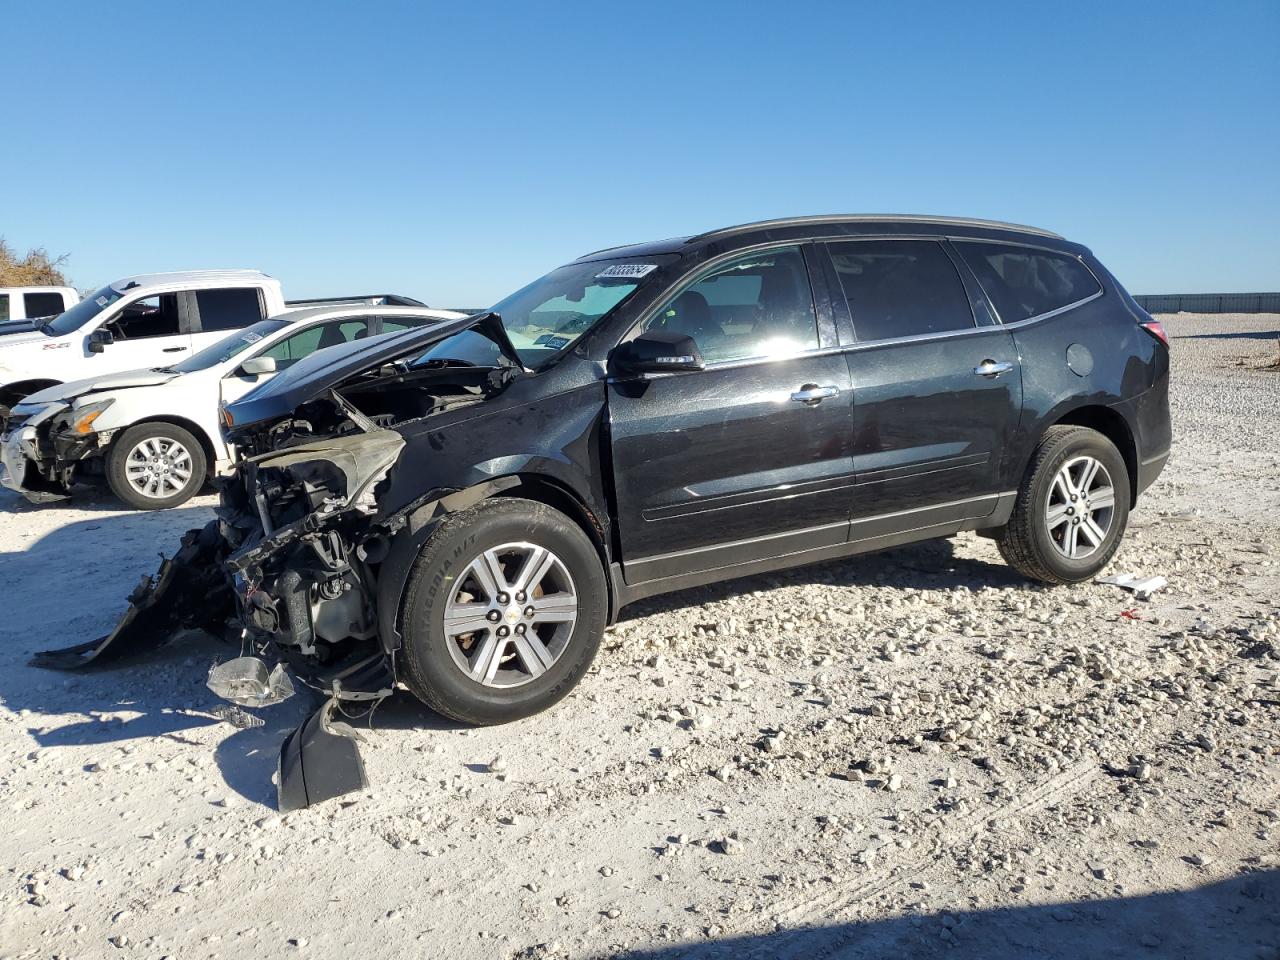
(45, 448)
(290, 568)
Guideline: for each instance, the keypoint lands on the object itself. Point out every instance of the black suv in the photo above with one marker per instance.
(465, 507)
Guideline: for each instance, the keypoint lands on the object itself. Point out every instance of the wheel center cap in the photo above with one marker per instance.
(512, 614)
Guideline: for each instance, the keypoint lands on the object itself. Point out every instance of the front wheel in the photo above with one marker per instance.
(503, 612)
(1072, 508)
(154, 466)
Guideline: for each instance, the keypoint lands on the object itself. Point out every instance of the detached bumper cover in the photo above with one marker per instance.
(188, 591)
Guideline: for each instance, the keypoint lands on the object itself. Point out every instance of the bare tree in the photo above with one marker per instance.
(37, 268)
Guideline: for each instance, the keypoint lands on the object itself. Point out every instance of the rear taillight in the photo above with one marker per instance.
(1156, 329)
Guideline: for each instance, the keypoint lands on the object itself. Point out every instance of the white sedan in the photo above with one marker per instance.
(154, 434)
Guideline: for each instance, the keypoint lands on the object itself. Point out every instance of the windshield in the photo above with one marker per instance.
(82, 312)
(552, 313)
(228, 347)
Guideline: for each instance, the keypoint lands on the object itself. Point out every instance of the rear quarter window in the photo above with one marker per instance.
(1023, 282)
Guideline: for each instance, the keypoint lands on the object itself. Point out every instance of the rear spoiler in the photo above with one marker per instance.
(370, 300)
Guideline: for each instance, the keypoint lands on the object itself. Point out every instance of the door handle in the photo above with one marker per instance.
(174, 349)
(992, 368)
(811, 394)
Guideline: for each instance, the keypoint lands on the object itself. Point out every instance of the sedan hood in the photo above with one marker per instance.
(314, 375)
(116, 381)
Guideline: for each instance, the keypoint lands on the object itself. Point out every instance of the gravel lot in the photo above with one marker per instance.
(913, 754)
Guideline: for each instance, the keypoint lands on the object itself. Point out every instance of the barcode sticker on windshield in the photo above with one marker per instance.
(626, 271)
(251, 337)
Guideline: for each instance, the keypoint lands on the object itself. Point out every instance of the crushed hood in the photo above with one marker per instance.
(66, 392)
(316, 374)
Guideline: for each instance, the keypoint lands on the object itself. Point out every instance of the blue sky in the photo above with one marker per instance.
(455, 151)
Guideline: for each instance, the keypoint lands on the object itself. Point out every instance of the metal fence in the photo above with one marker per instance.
(1211, 302)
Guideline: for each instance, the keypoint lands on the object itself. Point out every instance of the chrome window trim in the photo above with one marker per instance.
(922, 337)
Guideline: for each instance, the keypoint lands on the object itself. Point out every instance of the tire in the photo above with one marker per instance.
(184, 477)
(451, 670)
(1037, 539)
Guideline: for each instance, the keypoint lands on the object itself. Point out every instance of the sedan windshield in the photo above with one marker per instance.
(552, 313)
(82, 312)
(228, 347)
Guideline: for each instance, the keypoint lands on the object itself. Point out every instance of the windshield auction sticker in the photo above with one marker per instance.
(626, 271)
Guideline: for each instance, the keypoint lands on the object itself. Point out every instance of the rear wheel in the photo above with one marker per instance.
(503, 612)
(154, 466)
(1072, 508)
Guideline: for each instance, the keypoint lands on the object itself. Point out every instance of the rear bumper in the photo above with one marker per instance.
(1149, 470)
(1152, 427)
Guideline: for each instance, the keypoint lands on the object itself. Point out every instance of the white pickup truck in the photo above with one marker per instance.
(20, 307)
(150, 320)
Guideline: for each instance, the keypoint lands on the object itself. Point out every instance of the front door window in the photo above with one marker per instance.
(757, 306)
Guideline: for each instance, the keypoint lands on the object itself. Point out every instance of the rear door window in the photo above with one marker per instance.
(229, 309)
(42, 304)
(1023, 282)
(901, 288)
(757, 306)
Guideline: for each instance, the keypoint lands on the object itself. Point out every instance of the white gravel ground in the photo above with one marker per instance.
(908, 754)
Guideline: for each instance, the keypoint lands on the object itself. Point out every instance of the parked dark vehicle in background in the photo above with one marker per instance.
(465, 508)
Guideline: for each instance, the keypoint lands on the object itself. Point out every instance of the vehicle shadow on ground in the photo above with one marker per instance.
(1236, 919)
(162, 695)
(928, 565)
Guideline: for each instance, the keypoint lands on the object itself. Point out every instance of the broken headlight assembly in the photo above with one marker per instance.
(80, 419)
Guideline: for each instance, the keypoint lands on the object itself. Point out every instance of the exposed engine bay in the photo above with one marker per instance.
(290, 568)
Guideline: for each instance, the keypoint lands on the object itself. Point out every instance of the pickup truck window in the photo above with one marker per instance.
(42, 304)
(229, 309)
(82, 312)
(149, 317)
(4, 306)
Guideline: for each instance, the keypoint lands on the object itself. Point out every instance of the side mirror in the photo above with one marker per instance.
(658, 351)
(99, 339)
(256, 366)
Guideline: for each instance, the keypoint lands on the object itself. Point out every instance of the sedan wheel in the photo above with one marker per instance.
(158, 467)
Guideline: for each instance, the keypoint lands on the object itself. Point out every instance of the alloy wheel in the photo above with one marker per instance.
(1080, 507)
(510, 615)
(158, 467)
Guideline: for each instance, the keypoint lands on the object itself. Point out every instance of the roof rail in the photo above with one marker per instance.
(372, 300)
(875, 218)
